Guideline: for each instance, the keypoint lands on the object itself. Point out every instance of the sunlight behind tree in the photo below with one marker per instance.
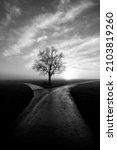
(49, 62)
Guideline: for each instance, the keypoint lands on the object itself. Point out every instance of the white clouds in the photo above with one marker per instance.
(86, 55)
(63, 4)
(27, 34)
(11, 12)
(42, 38)
(81, 53)
(31, 55)
(64, 44)
(77, 44)
(62, 31)
(76, 51)
(24, 38)
(15, 11)
(83, 45)
(89, 44)
(64, 1)
(46, 20)
(75, 48)
(61, 16)
(8, 53)
(71, 26)
(75, 11)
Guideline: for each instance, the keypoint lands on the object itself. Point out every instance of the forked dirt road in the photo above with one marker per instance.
(53, 116)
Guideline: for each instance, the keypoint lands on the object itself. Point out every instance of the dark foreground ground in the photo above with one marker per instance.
(15, 97)
(87, 99)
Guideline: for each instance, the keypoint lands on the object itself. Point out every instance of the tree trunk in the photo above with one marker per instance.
(49, 79)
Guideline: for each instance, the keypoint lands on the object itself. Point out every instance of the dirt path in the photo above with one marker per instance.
(53, 115)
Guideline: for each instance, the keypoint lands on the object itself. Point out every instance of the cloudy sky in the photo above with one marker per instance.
(27, 26)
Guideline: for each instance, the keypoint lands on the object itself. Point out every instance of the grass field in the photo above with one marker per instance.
(15, 96)
(87, 99)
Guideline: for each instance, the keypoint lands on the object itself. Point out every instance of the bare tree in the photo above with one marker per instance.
(49, 62)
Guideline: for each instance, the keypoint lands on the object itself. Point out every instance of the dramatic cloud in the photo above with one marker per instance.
(11, 13)
(41, 38)
(11, 53)
(71, 26)
(75, 50)
(43, 21)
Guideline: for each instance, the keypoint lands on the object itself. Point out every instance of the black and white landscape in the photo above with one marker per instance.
(50, 74)
(65, 116)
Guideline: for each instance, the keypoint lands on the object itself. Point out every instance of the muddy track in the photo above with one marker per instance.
(52, 114)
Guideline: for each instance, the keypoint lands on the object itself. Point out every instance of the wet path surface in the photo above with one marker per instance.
(52, 119)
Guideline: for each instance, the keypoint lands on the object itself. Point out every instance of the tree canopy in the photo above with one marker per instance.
(49, 62)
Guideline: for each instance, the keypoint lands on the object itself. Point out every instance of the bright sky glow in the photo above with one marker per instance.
(72, 26)
(68, 75)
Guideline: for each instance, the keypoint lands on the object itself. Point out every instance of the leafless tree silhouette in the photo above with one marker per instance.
(49, 62)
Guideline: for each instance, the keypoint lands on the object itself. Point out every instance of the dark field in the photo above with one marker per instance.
(15, 96)
(87, 99)
(44, 83)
